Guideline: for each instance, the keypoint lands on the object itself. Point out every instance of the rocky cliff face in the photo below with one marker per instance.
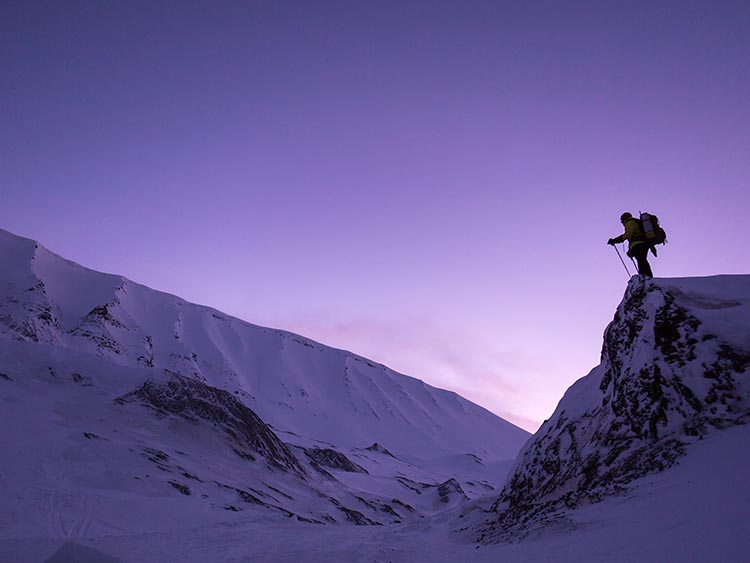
(674, 369)
(201, 403)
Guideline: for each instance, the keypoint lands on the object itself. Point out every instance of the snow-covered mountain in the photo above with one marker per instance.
(129, 410)
(675, 370)
(140, 426)
(293, 383)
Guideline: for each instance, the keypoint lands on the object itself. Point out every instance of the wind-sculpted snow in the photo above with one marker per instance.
(674, 369)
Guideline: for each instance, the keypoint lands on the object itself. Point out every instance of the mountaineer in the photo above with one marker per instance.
(637, 244)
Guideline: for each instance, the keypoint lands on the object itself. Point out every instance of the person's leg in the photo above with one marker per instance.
(640, 253)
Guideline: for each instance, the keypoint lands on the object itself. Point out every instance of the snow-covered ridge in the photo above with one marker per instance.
(134, 411)
(293, 383)
(131, 423)
(674, 370)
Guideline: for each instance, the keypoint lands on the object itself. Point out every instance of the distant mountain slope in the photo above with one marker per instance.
(127, 410)
(642, 460)
(296, 385)
(675, 370)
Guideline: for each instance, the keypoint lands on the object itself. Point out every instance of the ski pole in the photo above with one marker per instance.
(621, 260)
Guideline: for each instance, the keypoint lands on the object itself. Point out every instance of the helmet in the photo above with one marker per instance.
(625, 216)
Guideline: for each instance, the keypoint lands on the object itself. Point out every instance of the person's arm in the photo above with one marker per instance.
(631, 228)
(622, 238)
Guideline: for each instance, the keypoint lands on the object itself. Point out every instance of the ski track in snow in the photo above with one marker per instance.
(69, 515)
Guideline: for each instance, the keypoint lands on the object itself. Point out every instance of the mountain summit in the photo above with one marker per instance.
(295, 384)
(674, 371)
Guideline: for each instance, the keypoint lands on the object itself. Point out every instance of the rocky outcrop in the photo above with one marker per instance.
(665, 380)
(329, 396)
(198, 402)
(327, 457)
(379, 449)
(27, 314)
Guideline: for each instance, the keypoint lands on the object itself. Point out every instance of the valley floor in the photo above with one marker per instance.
(697, 511)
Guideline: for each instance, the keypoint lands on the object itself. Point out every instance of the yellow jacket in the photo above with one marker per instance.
(632, 234)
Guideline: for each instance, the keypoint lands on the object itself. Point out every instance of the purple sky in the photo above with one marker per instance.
(429, 184)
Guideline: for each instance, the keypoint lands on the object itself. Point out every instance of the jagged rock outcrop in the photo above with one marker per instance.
(327, 457)
(379, 449)
(40, 322)
(674, 368)
(199, 402)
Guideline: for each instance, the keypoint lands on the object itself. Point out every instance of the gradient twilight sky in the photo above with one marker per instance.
(428, 184)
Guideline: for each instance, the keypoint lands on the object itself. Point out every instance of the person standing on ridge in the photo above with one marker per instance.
(637, 245)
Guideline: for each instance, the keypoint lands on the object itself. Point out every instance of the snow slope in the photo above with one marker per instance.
(129, 411)
(696, 511)
(296, 385)
(138, 427)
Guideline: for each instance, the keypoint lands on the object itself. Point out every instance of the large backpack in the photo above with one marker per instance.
(653, 232)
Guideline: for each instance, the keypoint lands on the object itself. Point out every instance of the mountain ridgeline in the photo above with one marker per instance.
(293, 383)
(171, 406)
(130, 409)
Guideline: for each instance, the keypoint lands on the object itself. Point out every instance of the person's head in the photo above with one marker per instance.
(624, 217)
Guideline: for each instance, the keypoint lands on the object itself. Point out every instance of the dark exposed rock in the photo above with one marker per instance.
(184, 489)
(31, 317)
(378, 506)
(354, 516)
(102, 313)
(413, 486)
(147, 359)
(282, 493)
(82, 380)
(380, 449)
(402, 504)
(655, 397)
(244, 455)
(104, 325)
(448, 489)
(188, 475)
(254, 499)
(158, 457)
(250, 498)
(198, 402)
(333, 459)
(5, 376)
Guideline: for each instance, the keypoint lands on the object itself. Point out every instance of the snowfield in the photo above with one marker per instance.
(139, 427)
(695, 512)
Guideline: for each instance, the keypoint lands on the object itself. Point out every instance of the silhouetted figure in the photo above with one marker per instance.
(637, 245)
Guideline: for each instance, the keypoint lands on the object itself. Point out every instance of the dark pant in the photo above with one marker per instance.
(640, 253)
